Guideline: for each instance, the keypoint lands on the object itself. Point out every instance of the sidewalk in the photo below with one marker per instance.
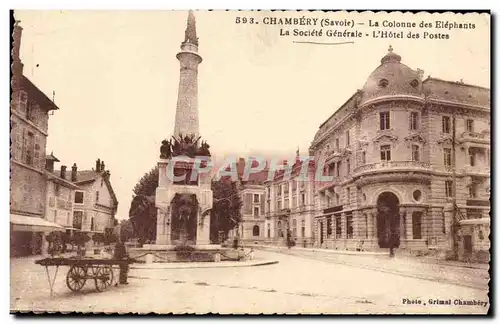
(422, 259)
(414, 267)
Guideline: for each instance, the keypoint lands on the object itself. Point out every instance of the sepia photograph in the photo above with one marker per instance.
(250, 162)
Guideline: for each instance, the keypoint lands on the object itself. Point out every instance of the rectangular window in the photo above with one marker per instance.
(415, 153)
(30, 108)
(348, 196)
(97, 196)
(287, 204)
(472, 157)
(338, 169)
(294, 202)
(470, 125)
(446, 124)
(350, 230)
(67, 218)
(337, 145)
(338, 226)
(414, 120)
(302, 199)
(473, 190)
(348, 166)
(287, 189)
(57, 190)
(77, 219)
(347, 139)
(385, 153)
(29, 148)
(294, 185)
(256, 198)
(447, 156)
(417, 225)
(385, 120)
(78, 197)
(448, 188)
(256, 212)
(363, 158)
(23, 102)
(55, 216)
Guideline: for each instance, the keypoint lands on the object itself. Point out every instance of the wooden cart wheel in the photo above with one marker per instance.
(76, 278)
(104, 278)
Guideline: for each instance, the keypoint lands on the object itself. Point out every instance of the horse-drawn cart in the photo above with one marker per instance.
(83, 269)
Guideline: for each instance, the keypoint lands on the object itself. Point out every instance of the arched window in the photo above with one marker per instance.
(256, 230)
(269, 230)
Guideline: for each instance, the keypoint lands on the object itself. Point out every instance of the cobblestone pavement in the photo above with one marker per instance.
(294, 285)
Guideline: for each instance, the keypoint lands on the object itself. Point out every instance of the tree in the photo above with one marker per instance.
(142, 211)
(80, 238)
(126, 230)
(55, 242)
(226, 211)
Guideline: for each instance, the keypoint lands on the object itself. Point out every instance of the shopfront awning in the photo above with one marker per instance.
(33, 224)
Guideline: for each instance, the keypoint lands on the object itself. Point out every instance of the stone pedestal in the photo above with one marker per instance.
(165, 194)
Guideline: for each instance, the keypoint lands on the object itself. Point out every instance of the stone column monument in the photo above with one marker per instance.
(184, 205)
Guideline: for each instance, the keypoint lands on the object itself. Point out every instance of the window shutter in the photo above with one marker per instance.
(23, 102)
(24, 145)
(248, 203)
(37, 158)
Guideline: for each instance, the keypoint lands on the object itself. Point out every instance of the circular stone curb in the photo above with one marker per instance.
(193, 265)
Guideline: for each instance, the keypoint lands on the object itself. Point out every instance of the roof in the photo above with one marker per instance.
(253, 178)
(51, 157)
(392, 78)
(85, 176)
(41, 99)
(456, 92)
(56, 177)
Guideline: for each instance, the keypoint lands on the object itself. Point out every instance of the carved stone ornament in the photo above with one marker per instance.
(414, 138)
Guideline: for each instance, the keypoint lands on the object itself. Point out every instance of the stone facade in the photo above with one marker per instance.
(395, 136)
(251, 228)
(290, 206)
(95, 203)
(29, 115)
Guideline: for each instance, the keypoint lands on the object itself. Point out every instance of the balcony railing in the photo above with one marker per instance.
(404, 165)
(483, 137)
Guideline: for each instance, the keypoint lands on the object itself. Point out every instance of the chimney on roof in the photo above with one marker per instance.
(63, 171)
(102, 166)
(17, 65)
(74, 170)
(49, 165)
(98, 165)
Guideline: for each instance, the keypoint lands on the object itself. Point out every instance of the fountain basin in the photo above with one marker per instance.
(152, 253)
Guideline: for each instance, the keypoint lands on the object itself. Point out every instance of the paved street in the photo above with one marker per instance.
(297, 284)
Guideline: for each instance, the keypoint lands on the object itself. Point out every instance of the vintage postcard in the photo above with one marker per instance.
(250, 162)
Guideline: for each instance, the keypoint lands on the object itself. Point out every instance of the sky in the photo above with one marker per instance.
(115, 77)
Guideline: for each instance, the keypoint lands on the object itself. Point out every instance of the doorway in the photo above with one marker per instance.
(321, 233)
(388, 223)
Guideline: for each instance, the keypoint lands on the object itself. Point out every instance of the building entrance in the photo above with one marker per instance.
(388, 220)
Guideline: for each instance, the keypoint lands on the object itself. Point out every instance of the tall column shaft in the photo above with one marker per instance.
(186, 116)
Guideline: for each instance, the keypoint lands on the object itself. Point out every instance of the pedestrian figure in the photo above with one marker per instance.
(121, 254)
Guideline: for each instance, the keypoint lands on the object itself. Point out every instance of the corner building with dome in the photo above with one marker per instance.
(389, 149)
